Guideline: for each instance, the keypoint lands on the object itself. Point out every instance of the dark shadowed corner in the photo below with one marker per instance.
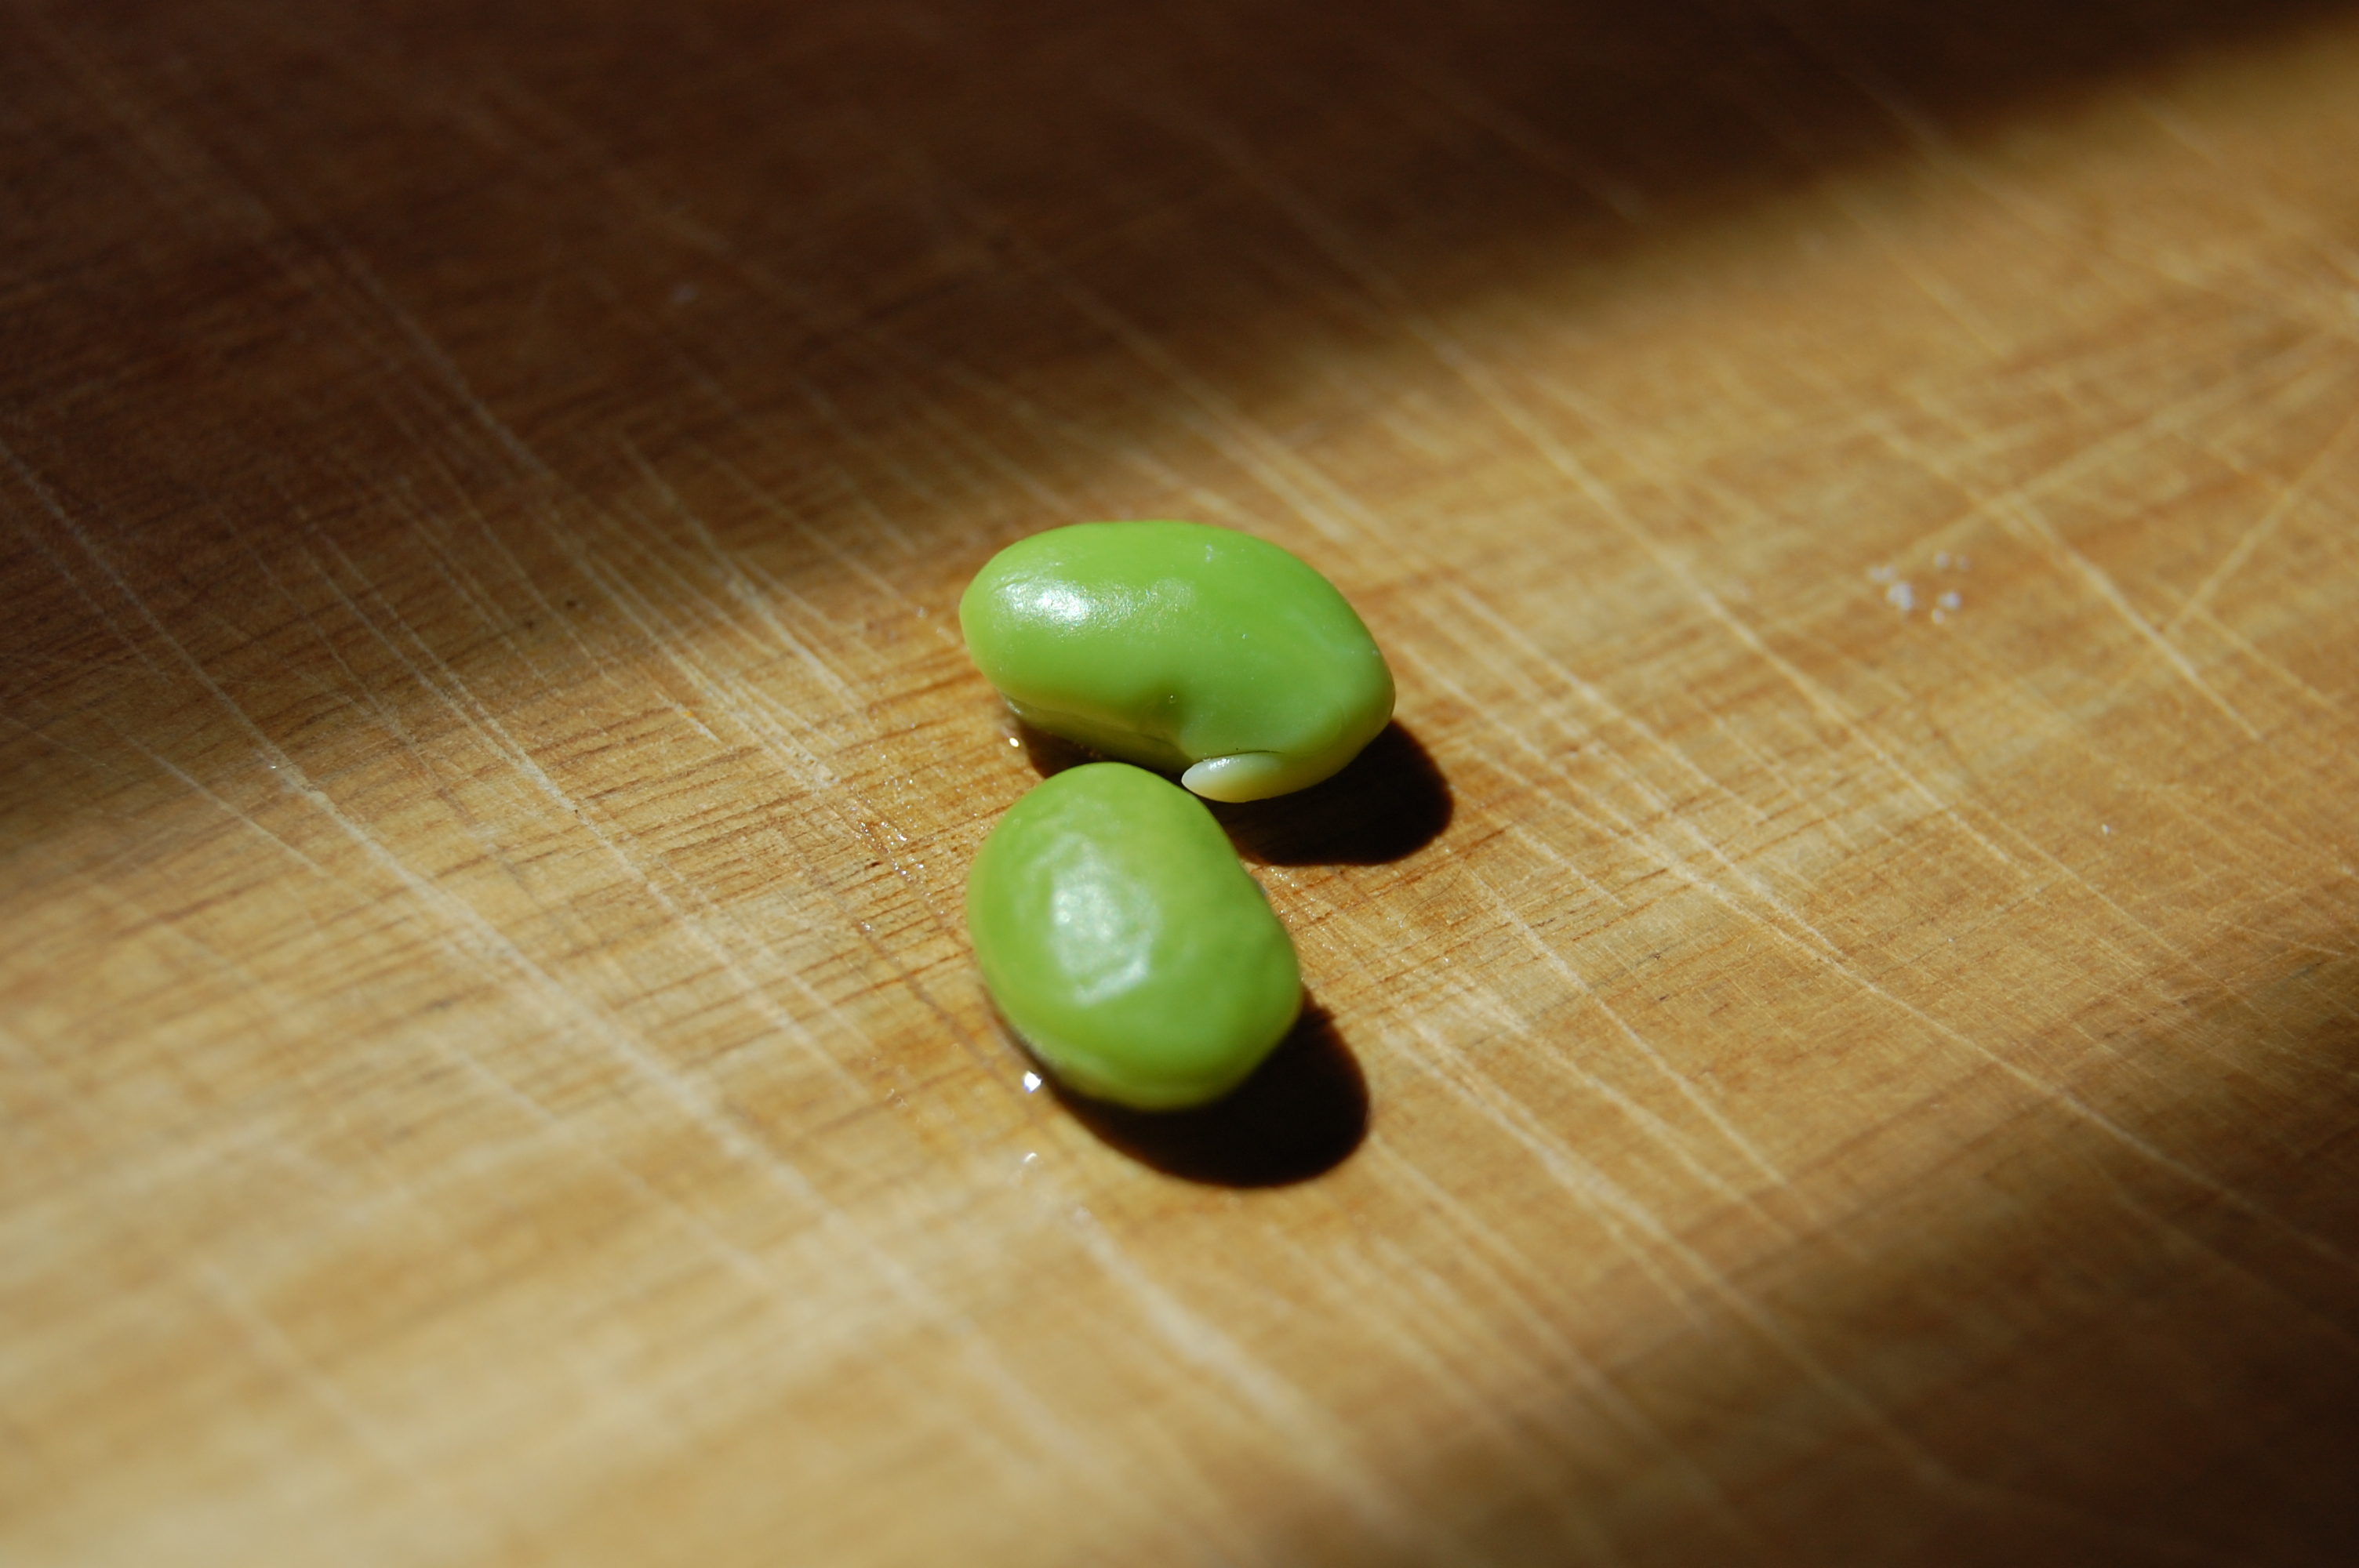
(521, 326)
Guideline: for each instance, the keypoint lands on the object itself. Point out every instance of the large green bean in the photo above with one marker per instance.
(1120, 937)
(1194, 650)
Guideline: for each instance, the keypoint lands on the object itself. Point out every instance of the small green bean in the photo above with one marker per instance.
(1120, 937)
(1194, 650)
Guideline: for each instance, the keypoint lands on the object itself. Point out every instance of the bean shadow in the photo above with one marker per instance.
(1049, 754)
(1390, 803)
(1299, 1116)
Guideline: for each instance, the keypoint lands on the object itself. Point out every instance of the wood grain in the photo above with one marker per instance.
(1809, 1069)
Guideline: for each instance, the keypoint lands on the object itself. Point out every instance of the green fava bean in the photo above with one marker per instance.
(1120, 937)
(1178, 646)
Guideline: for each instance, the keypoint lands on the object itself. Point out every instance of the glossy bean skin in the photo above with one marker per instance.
(1190, 649)
(1120, 937)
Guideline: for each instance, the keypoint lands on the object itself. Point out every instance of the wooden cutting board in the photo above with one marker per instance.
(1833, 1031)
